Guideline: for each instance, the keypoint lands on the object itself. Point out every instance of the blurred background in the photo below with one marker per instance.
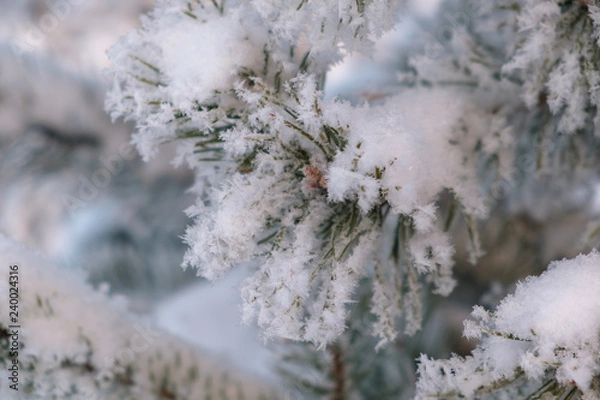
(73, 189)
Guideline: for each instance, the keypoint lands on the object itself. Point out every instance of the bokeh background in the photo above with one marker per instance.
(74, 190)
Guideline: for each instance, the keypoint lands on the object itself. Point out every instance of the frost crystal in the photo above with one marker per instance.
(548, 327)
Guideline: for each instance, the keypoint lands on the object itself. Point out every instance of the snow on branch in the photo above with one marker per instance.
(557, 58)
(543, 336)
(79, 343)
(304, 185)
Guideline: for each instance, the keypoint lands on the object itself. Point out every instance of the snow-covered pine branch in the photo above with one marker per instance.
(557, 60)
(79, 343)
(313, 183)
(543, 339)
(317, 195)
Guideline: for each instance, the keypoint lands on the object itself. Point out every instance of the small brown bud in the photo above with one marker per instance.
(314, 178)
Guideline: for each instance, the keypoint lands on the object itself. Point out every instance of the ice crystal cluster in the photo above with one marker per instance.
(303, 184)
(316, 195)
(547, 331)
(557, 61)
(75, 342)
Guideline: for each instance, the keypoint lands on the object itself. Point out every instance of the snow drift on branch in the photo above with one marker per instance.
(549, 326)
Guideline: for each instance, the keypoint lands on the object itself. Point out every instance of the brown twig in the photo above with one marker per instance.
(338, 373)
